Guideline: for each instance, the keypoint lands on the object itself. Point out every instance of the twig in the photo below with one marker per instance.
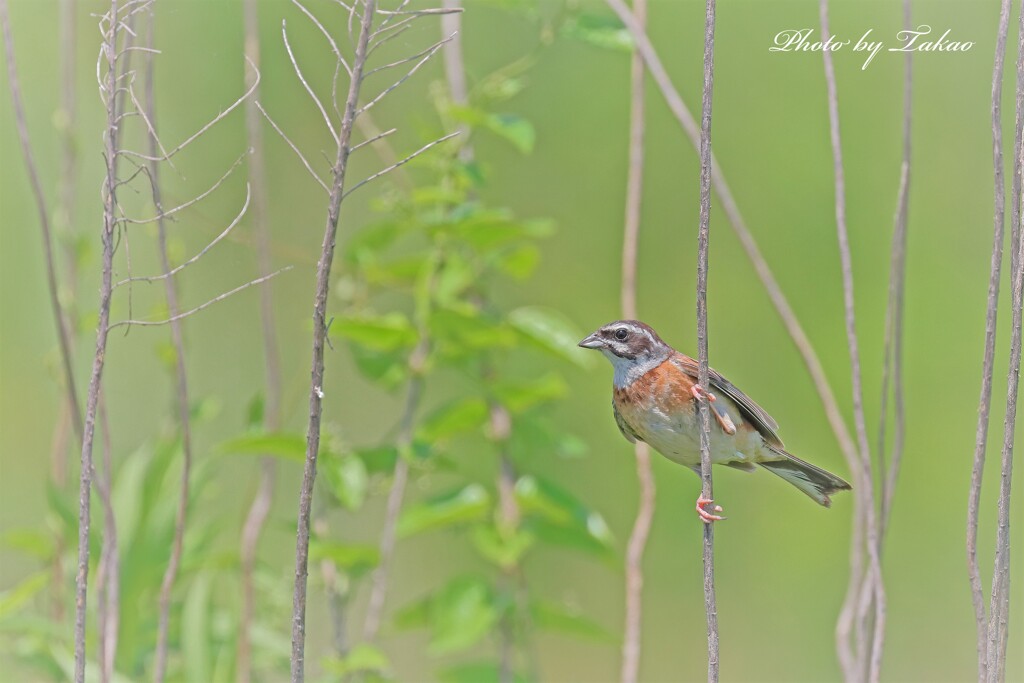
(999, 607)
(707, 491)
(399, 480)
(260, 508)
(59, 315)
(893, 363)
(302, 79)
(295, 149)
(326, 34)
(991, 316)
(384, 93)
(316, 392)
(631, 639)
(184, 205)
(203, 306)
(109, 573)
(397, 164)
(170, 273)
(180, 378)
(99, 356)
(872, 653)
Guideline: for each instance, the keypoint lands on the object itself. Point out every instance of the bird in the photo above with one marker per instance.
(654, 400)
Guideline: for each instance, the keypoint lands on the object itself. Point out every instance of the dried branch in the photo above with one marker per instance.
(144, 170)
(180, 376)
(302, 79)
(991, 316)
(327, 35)
(402, 162)
(631, 234)
(95, 381)
(384, 93)
(167, 274)
(295, 149)
(871, 654)
(203, 306)
(108, 573)
(399, 480)
(260, 508)
(707, 491)
(999, 606)
(53, 288)
(893, 354)
(316, 392)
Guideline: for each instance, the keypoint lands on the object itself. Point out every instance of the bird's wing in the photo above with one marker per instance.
(762, 421)
(626, 430)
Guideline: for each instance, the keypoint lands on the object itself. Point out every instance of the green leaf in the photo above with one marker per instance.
(534, 436)
(348, 479)
(455, 275)
(283, 445)
(569, 538)
(467, 330)
(195, 629)
(355, 558)
(387, 368)
(551, 331)
(505, 551)
(255, 412)
(518, 396)
(476, 672)
(33, 542)
(600, 31)
(556, 617)
(458, 417)
(461, 614)
(513, 128)
(469, 504)
(520, 262)
(381, 333)
(561, 509)
(14, 598)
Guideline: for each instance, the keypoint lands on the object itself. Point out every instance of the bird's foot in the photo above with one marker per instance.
(706, 516)
(699, 394)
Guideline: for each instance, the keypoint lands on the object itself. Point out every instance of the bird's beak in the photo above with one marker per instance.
(592, 342)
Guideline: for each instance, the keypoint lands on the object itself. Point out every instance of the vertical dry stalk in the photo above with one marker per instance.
(985, 402)
(260, 508)
(893, 354)
(999, 607)
(631, 639)
(316, 392)
(180, 383)
(872, 592)
(707, 491)
(109, 52)
(108, 574)
(53, 288)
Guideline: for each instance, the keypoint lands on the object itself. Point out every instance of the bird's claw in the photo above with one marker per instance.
(699, 393)
(706, 516)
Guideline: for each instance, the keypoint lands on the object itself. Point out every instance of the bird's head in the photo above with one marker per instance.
(632, 347)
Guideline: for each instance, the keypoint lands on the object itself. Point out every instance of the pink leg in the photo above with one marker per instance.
(723, 419)
(706, 516)
(699, 393)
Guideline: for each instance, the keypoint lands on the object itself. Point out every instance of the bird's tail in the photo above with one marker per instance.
(814, 481)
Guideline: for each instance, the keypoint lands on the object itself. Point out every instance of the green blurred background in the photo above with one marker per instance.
(781, 562)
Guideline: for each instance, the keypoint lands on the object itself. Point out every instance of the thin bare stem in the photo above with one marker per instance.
(256, 518)
(999, 606)
(632, 639)
(180, 380)
(295, 149)
(201, 307)
(184, 205)
(384, 93)
(326, 34)
(707, 489)
(168, 274)
(399, 480)
(991, 316)
(99, 356)
(316, 392)
(110, 563)
(871, 664)
(893, 363)
(402, 162)
(305, 84)
(52, 286)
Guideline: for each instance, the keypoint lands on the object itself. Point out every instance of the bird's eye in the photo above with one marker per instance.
(621, 334)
